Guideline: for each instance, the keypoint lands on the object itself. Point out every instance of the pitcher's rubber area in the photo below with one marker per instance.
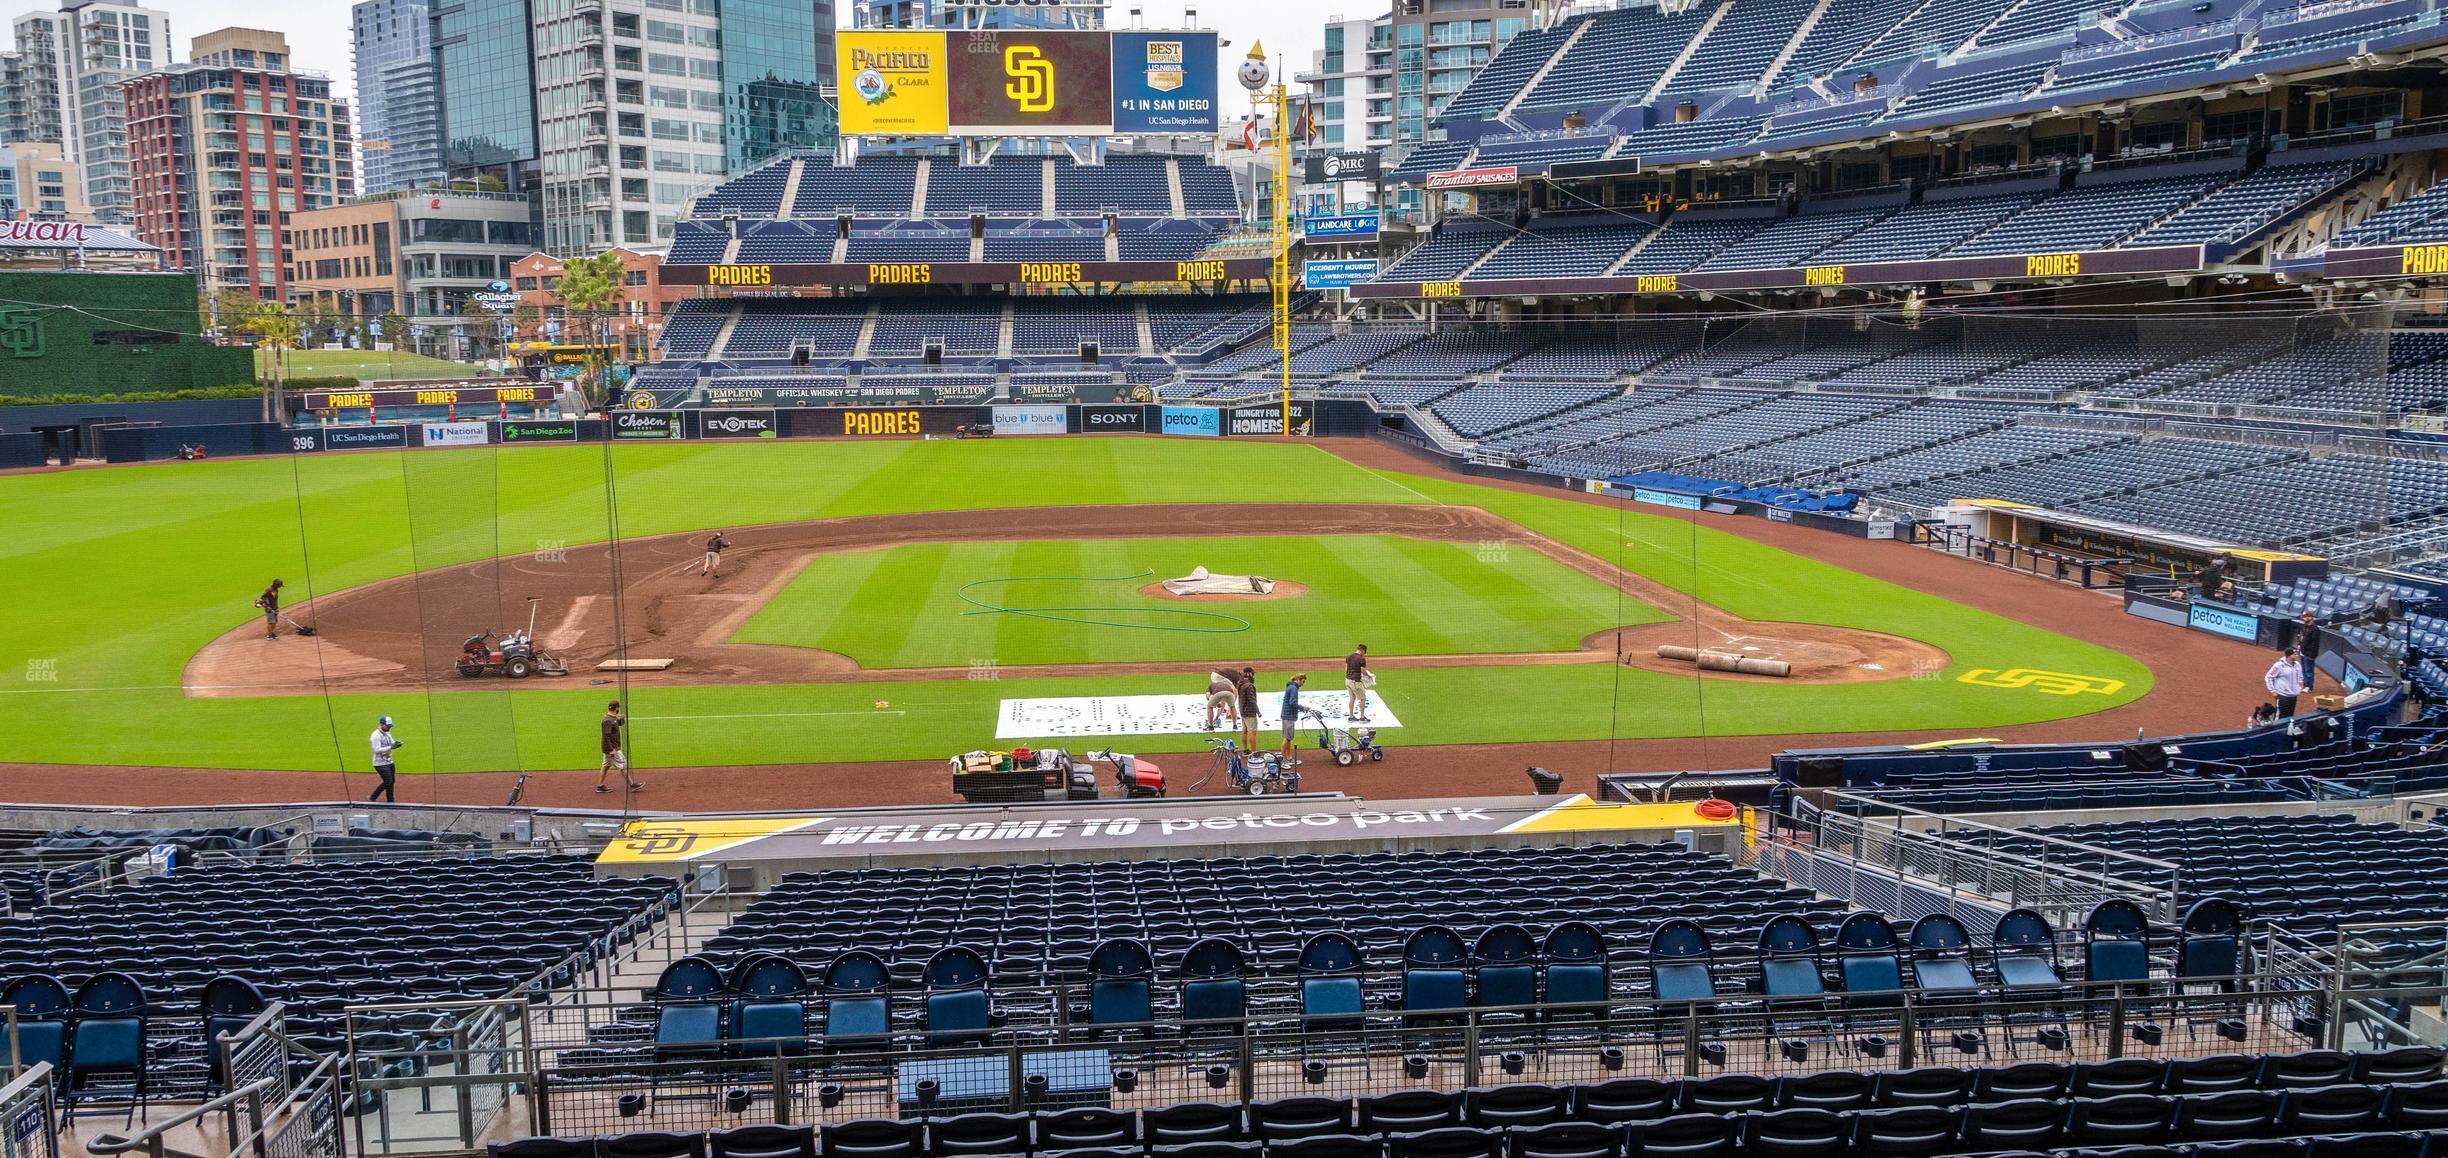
(2201, 683)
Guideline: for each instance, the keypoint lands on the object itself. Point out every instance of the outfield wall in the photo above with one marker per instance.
(155, 443)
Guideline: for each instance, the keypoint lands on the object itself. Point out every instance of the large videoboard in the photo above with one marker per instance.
(1026, 83)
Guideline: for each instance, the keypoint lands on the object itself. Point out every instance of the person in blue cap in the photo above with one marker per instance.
(383, 744)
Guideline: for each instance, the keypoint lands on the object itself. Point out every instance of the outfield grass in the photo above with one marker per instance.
(905, 607)
(118, 576)
(371, 364)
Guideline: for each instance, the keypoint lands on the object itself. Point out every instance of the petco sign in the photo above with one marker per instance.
(1112, 419)
(1200, 421)
(1028, 420)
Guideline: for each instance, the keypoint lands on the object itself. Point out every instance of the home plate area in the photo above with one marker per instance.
(1163, 715)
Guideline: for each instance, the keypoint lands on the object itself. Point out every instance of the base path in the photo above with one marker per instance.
(405, 634)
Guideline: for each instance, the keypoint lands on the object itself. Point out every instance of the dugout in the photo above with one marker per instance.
(2011, 530)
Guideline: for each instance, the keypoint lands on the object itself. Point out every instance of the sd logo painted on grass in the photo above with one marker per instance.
(2054, 683)
(651, 841)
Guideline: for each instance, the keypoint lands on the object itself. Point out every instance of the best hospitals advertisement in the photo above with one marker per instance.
(1164, 82)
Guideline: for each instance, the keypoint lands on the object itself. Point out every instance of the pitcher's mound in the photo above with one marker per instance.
(1284, 589)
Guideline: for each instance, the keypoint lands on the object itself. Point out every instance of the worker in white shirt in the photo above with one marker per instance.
(383, 743)
(2286, 680)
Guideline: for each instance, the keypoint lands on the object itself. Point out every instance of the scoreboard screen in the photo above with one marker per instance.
(1032, 82)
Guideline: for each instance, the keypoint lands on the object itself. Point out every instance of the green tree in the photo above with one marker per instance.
(222, 312)
(590, 290)
(394, 330)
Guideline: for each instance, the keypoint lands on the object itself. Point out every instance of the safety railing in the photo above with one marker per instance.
(432, 1077)
(29, 1111)
(790, 1081)
(2049, 874)
(273, 1086)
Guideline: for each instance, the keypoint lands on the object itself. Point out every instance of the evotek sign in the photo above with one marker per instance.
(632, 424)
(1475, 178)
(736, 423)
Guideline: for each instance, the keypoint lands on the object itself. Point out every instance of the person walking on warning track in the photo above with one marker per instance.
(383, 743)
(1247, 689)
(2286, 680)
(713, 561)
(613, 756)
(1356, 680)
(269, 601)
(1291, 714)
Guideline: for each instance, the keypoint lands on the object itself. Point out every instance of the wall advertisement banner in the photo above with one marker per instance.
(1010, 420)
(457, 434)
(1194, 421)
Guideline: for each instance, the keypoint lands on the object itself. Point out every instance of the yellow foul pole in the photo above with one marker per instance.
(1282, 274)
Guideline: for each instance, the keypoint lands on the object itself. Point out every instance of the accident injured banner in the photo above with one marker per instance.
(1168, 715)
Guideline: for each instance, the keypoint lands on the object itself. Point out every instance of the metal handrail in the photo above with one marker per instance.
(150, 1138)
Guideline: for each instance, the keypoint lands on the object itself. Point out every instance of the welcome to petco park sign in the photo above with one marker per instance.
(1148, 828)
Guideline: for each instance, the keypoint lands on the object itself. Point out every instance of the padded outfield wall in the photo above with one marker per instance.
(107, 333)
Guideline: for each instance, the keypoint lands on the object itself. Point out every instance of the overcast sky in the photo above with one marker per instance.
(318, 30)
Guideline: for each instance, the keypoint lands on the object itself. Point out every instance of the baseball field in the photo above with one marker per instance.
(881, 600)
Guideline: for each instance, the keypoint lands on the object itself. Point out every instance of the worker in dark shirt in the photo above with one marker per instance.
(269, 601)
(1355, 684)
(613, 756)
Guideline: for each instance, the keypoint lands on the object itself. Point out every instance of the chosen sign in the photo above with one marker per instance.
(634, 424)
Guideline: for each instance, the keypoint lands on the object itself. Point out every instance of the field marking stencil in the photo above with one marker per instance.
(1172, 715)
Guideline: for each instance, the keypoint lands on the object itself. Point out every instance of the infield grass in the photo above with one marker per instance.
(117, 576)
(1079, 601)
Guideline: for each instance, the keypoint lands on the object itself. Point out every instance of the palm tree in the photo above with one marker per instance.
(275, 331)
(590, 290)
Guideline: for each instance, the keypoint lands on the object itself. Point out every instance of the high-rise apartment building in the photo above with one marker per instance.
(613, 113)
(224, 148)
(1378, 83)
(64, 87)
(399, 141)
(37, 180)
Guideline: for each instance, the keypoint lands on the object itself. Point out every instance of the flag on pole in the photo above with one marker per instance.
(1253, 135)
(1306, 128)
